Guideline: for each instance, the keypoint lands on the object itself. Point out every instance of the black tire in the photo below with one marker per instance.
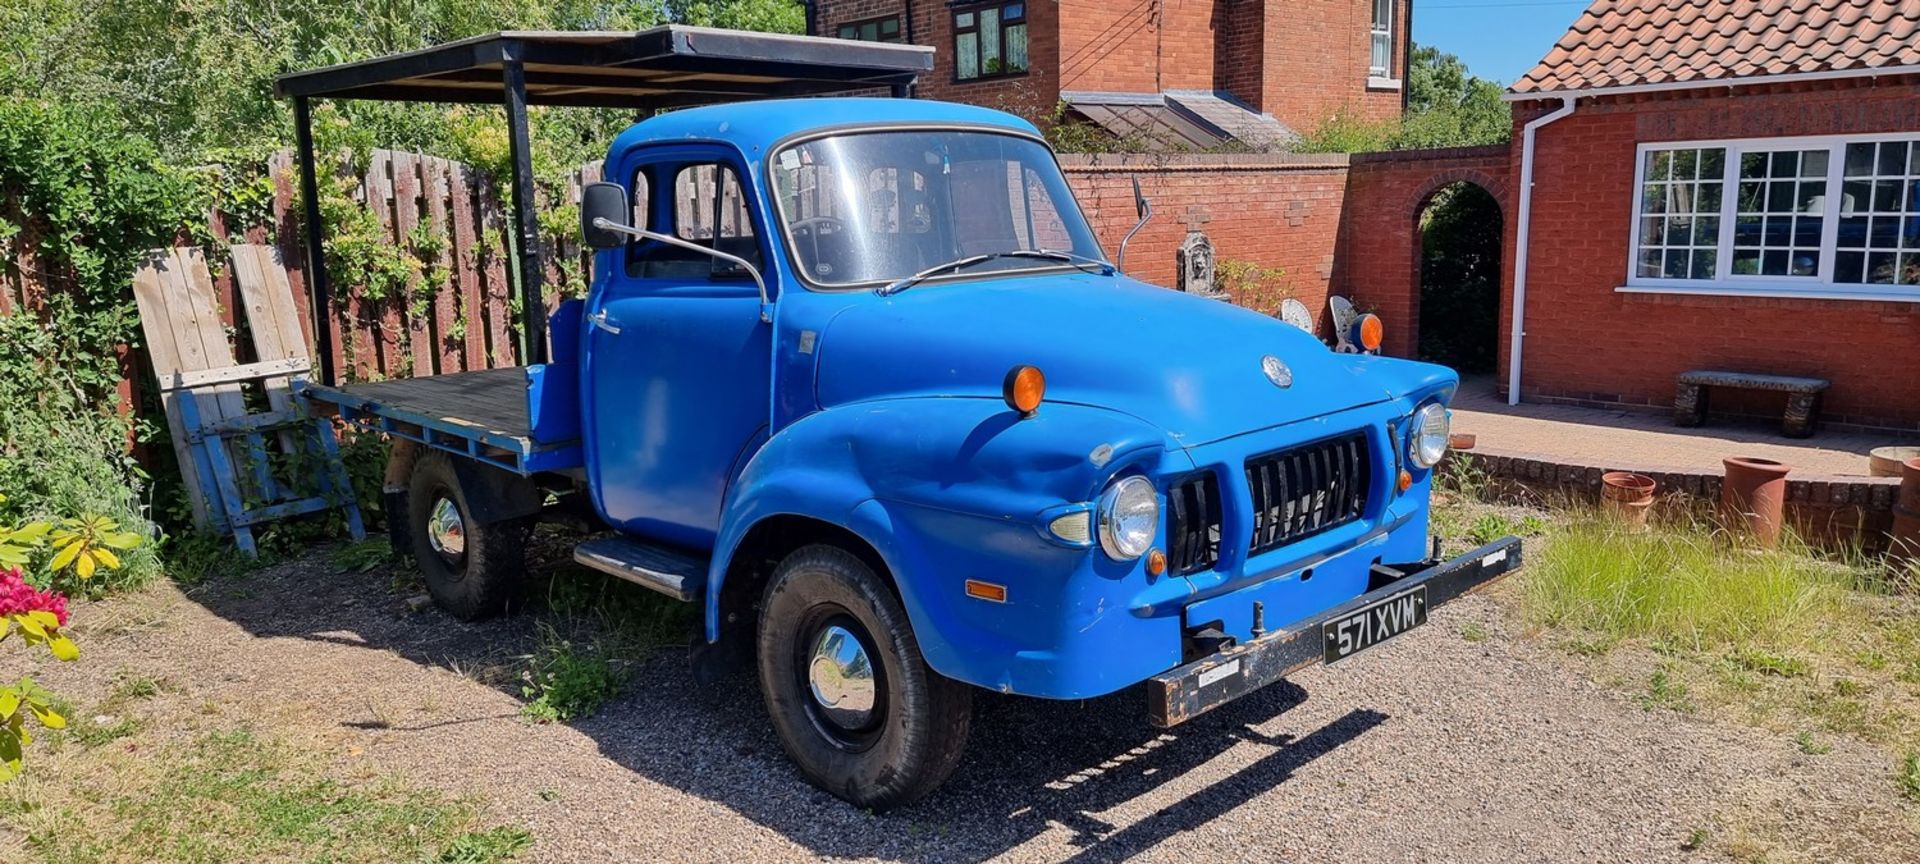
(484, 577)
(919, 719)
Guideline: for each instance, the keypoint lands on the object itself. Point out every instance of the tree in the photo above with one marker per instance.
(1447, 106)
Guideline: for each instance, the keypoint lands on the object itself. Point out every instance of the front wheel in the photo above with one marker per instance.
(855, 705)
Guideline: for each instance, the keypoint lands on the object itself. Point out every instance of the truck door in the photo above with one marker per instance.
(677, 356)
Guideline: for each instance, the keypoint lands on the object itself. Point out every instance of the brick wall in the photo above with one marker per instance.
(1378, 255)
(1315, 61)
(1033, 95)
(1276, 210)
(1587, 342)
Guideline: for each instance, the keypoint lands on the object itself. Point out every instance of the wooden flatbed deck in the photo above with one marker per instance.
(482, 414)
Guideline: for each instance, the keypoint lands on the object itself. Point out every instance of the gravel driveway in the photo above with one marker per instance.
(1431, 748)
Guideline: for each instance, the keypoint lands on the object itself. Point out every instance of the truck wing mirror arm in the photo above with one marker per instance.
(605, 224)
(1144, 208)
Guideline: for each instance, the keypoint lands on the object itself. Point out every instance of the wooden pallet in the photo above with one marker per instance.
(226, 448)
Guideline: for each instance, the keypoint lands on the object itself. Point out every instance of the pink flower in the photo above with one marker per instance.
(17, 597)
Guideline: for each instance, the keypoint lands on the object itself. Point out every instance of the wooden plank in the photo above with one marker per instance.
(502, 347)
(388, 328)
(274, 323)
(445, 308)
(466, 267)
(244, 372)
(418, 344)
(290, 251)
(163, 352)
(226, 400)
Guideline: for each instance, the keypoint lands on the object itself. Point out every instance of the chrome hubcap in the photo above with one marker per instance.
(445, 530)
(841, 678)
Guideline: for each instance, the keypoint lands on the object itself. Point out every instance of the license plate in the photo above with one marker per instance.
(1375, 623)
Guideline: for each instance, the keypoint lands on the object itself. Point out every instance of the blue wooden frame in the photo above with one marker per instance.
(219, 478)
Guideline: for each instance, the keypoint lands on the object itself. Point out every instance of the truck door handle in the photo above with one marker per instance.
(599, 319)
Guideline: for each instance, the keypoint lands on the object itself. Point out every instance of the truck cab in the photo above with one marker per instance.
(857, 376)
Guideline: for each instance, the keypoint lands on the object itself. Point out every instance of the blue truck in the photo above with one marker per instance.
(855, 376)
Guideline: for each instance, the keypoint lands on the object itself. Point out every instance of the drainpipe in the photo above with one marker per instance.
(1518, 327)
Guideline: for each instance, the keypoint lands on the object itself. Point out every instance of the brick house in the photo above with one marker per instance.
(1188, 73)
(1729, 184)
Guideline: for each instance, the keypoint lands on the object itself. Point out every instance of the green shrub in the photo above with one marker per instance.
(63, 458)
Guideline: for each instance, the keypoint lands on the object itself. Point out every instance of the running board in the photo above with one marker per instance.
(674, 574)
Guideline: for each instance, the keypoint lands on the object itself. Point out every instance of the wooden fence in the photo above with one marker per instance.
(458, 312)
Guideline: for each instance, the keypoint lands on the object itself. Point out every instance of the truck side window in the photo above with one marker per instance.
(710, 209)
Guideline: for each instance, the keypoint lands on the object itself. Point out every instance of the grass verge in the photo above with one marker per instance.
(1785, 639)
(232, 796)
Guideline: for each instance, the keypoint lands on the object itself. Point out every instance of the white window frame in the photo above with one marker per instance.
(1727, 283)
(1378, 76)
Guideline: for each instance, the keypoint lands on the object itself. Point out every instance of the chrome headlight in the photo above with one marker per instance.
(1428, 443)
(1128, 516)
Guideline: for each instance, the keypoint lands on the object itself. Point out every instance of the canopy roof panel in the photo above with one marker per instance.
(659, 68)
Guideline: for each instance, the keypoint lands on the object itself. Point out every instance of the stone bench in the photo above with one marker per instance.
(1803, 397)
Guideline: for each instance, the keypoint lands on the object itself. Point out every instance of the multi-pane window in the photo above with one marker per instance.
(1779, 211)
(989, 40)
(1680, 213)
(1879, 238)
(1824, 216)
(1380, 33)
(872, 30)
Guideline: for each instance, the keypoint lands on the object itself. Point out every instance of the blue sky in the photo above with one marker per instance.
(1499, 39)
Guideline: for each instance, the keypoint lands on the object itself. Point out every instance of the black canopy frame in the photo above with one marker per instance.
(646, 70)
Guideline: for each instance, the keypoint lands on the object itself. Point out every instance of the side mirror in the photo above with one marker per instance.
(606, 202)
(1141, 209)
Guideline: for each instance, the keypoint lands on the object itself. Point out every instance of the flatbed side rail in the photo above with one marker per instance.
(518, 454)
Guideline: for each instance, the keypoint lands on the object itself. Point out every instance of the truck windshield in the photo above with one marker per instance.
(874, 207)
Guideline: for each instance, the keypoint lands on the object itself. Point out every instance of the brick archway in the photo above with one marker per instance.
(1378, 258)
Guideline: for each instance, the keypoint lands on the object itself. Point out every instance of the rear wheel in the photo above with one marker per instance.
(472, 570)
(855, 705)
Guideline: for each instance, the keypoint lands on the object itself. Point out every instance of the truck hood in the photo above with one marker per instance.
(1189, 365)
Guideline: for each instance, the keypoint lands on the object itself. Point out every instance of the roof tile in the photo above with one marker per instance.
(1627, 42)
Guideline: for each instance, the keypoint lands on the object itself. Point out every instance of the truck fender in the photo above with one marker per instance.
(852, 466)
(495, 495)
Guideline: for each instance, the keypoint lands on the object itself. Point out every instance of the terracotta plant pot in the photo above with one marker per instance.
(1753, 498)
(1886, 461)
(1461, 441)
(1905, 545)
(1628, 497)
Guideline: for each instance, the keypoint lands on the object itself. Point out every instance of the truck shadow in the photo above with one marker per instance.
(1032, 767)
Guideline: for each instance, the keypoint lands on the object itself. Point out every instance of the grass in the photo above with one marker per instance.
(1679, 585)
(1907, 777)
(233, 796)
(1810, 745)
(593, 628)
(1664, 690)
(562, 682)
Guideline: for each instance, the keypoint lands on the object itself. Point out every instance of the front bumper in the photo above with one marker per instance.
(1185, 692)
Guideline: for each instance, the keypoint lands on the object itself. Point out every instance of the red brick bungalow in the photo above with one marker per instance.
(1723, 184)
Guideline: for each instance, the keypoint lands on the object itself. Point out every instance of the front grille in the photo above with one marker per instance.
(1193, 524)
(1301, 492)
